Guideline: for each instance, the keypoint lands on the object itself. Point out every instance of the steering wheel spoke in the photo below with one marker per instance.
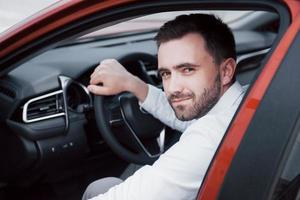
(116, 122)
(115, 116)
(159, 139)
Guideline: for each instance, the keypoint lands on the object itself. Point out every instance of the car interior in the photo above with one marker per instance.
(56, 137)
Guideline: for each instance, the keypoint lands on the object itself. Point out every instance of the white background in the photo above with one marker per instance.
(13, 11)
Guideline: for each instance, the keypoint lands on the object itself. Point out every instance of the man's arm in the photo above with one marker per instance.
(111, 78)
(179, 172)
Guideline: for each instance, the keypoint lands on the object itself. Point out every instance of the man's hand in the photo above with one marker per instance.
(111, 78)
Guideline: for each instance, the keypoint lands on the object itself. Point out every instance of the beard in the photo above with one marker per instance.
(201, 105)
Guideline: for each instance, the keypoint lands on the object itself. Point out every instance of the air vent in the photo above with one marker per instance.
(7, 92)
(44, 107)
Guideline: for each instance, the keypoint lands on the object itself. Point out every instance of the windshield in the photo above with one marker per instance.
(14, 11)
(155, 21)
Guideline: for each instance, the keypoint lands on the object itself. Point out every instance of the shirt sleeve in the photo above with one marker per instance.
(156, 104)
(177, 173)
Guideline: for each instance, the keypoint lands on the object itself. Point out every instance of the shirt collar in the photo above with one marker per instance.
(229, 98)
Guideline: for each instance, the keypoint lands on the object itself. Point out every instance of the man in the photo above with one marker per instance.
(196, 60)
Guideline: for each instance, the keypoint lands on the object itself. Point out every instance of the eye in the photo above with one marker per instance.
(164, 74)
(187, 70)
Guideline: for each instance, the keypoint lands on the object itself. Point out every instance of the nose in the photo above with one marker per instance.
(174, 84)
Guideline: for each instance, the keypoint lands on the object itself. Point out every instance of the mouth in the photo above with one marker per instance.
(180, 100)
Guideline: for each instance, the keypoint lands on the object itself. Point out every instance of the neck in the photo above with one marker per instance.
(226, 87)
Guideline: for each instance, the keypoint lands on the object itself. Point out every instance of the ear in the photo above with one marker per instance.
(227, 70)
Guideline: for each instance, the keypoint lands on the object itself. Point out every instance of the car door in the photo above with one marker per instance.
(264, 165)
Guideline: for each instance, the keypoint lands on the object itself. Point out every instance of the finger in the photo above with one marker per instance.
(97, 78)
(101, 68)
(108, 61)
(99, 90)
(96, 70)
(93, 74)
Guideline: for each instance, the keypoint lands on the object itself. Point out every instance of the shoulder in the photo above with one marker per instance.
(212, 127)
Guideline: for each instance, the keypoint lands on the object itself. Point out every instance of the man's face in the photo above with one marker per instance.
(191, 79)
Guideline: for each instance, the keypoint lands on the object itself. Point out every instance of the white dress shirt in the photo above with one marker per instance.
(179, 172)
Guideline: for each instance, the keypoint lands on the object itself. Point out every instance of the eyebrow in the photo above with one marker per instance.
(179, 66)
(182, 65)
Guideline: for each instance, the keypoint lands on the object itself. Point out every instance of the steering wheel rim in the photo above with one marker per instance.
(104, 127)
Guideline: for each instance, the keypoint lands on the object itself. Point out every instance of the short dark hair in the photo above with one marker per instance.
(217, 35)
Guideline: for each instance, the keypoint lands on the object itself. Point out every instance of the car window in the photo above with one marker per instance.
(236, 19)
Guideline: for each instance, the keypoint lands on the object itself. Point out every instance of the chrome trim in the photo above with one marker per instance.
(115, 121)
(249, 55)
(25, 108)
(136, 137)
(86, 91)
(65, 82)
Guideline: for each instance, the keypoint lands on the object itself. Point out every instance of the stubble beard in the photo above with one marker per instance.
(201, 106)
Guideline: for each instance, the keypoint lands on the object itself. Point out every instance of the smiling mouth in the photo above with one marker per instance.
(175, 101)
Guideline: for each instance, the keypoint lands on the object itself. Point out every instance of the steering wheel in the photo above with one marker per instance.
(140, 137)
